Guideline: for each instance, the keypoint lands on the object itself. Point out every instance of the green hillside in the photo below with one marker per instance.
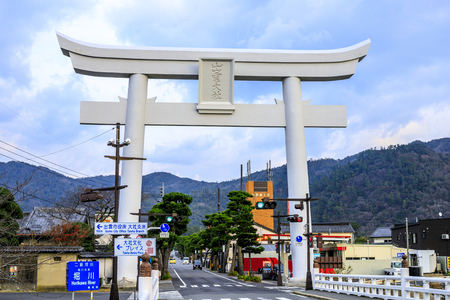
(374, 188)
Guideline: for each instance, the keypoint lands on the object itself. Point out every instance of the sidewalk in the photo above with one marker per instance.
(326, 295)
(168, 291)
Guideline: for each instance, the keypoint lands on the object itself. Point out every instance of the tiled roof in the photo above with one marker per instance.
(37, 249)
(381, 232)
(96, 254)
(42, 219)
(326, 228)
(332, 228)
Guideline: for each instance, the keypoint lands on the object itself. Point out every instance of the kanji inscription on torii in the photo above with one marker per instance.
(216, 70)
(215, 86)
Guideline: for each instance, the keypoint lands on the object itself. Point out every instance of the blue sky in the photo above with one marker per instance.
(399, 93)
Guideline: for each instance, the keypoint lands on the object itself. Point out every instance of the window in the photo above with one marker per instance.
(424, 235)
(414, 238)
(404, 238)
(398, 237)
(56, 258)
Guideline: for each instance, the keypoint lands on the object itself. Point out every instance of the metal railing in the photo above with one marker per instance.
(149, 287)
(384, 286)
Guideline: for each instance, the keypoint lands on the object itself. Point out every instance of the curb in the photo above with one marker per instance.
(313, 296)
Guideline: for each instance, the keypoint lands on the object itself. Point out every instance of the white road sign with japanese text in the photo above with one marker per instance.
(134, 247)
(119, 228)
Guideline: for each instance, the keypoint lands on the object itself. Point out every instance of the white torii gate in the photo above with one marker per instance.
(216, 70)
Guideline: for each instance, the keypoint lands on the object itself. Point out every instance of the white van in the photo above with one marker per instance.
(186, 261)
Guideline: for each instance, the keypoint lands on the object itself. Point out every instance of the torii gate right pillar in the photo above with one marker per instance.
(297, 170)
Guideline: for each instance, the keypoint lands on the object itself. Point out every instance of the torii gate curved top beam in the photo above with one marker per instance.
(182, 63)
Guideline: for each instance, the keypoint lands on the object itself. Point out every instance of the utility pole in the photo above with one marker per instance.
(407, 243)
(114, 292)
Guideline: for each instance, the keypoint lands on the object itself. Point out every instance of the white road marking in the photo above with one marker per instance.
(245, 299)
(217, 285)
(282, 298)
(205, 285)
(234, 281)
(194, 285)
(179, 277)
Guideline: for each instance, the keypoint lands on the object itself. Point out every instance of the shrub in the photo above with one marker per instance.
(233, 273)
(252, 278)
(166, 276)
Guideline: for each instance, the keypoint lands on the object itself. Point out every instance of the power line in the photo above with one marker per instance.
(77, 144)
(51, 172)
(39, 158)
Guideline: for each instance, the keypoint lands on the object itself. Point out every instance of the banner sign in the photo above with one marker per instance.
(117, 228)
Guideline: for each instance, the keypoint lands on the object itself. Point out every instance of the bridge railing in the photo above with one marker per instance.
(384, 286)
(149, 286)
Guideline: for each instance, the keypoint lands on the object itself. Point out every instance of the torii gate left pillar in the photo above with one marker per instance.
(216, 70)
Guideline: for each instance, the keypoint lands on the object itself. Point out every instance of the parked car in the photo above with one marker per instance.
(172, 260)
(197, 265)
(186, 261)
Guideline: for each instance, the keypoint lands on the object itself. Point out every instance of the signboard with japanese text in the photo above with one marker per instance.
(134, 247)
(83, 276)
(117, 228)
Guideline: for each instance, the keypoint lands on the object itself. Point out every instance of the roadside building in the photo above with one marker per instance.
(381, 235)
(40, 268)
(429, 234)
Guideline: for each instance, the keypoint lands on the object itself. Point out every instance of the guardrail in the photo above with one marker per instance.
(149, 287)
(384, 286)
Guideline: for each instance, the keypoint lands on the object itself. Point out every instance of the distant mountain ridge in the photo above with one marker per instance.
(374, 188)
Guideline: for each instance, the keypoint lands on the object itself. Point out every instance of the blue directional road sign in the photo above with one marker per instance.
(83, 276)
(164, 227)
(134, 247)
(299, 239)
(117, 228)
(399, 255)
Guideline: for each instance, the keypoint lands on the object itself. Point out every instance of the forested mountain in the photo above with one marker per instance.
(374, 188)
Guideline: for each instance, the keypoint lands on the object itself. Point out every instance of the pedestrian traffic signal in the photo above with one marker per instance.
(319, 242)
(288, 248)
(299, 206)
(277, 248)
(90, 196)
(310, 242)
(295, 219)
(265, 204)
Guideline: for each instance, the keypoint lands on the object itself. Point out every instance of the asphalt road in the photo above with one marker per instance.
(61, 296)
(205, 284)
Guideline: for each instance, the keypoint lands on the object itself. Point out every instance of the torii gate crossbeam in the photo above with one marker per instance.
(216, 70)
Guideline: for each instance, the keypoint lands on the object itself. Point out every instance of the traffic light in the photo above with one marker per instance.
(288, 248)
(277, 248)
(266, 204)
(299, 206)
(90, 196)
(319, 242)
(175, 219)
(295, 218)
(310, 242)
